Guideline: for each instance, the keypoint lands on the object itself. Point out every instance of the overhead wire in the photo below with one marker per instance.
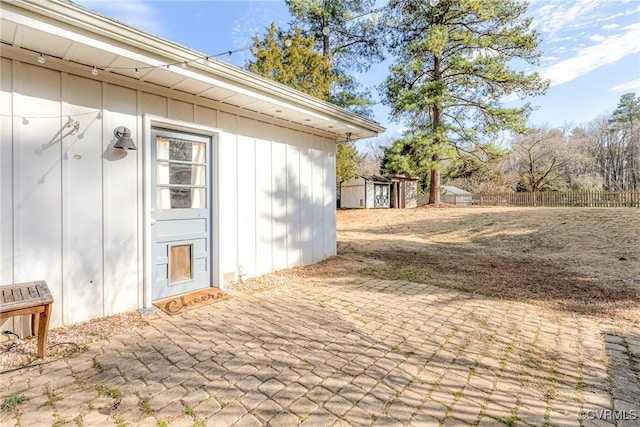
(95, 69)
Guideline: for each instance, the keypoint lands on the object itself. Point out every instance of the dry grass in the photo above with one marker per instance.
(572, 260)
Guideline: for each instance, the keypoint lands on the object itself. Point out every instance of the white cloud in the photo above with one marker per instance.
(610, 27)
(570, 39)
(136, 13)
(588, 58)
(256, 18)
(562, 15)
(630, 85)
(597, 38)
(394, 130)
(560, 50)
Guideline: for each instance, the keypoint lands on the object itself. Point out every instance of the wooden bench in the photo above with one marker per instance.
(32, 298)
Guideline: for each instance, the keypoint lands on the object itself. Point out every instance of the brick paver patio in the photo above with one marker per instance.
(342, 352)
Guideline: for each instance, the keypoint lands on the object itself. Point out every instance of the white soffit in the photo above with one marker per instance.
(216, 93)
(39, 27)
(8, 30)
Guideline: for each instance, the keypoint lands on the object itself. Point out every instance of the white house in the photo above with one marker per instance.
(227, 176)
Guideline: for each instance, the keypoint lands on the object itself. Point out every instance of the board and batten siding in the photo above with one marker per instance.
(369, 188)
(71, 206)
(352, 193)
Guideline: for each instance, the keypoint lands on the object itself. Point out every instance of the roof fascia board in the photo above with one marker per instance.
(64, 66)
(87, 41)
(113, 30)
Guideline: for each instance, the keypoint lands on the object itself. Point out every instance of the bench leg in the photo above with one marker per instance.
(43, 330)
(35, 320)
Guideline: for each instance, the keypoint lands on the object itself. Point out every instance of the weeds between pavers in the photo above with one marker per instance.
(105, 392)
(13, 401)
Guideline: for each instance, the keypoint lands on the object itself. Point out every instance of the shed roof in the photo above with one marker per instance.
(450, 189)
(73, 36)
(377, 179)
(402, 177)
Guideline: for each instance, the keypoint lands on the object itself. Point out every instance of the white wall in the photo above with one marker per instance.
(457, 199)
(282, 186)
(411, 194)
(370, 198)
(352, 193)
(71, 205)
(6, 172)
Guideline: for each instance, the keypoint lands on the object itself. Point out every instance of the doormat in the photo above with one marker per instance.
(182, 303)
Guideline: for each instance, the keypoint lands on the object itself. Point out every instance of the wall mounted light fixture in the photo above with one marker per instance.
(74, 125)
(123, 139)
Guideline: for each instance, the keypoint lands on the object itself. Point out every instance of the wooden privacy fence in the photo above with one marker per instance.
(592, 199)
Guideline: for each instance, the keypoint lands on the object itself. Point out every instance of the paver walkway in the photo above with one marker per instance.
(333, 352)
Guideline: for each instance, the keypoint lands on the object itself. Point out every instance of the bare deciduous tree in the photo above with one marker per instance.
(372, 155)
(540, 156)
(614, 144)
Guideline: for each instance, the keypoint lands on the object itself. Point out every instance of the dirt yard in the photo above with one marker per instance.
(573, 260)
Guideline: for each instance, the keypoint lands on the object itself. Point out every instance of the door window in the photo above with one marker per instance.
(181, 174)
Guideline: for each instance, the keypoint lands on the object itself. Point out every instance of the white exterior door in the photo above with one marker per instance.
(180, 212)
(381, 196)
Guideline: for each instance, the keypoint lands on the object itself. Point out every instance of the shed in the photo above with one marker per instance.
(455, 196)
(228, 175)
(370, 192)
(404, 191)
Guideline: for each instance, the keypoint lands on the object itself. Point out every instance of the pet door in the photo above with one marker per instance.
(181, 263)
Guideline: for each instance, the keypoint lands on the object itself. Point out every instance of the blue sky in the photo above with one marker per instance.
(591, 48)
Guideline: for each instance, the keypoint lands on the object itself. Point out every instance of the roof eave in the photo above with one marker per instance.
(87, 20)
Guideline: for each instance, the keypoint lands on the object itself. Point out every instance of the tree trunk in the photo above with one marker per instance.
(326, 52)
(325, 24)
(434, 186)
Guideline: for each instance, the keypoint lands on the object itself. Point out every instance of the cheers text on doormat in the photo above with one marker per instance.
(181, 303)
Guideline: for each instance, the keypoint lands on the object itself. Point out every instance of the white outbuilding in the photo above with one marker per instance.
(366, 191)
(455, 196)
(133, 168)
(374, 192)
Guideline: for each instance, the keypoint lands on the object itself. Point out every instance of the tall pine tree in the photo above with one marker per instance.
(347, 36)
(290, 59)
(624, 126)
(455, 63)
